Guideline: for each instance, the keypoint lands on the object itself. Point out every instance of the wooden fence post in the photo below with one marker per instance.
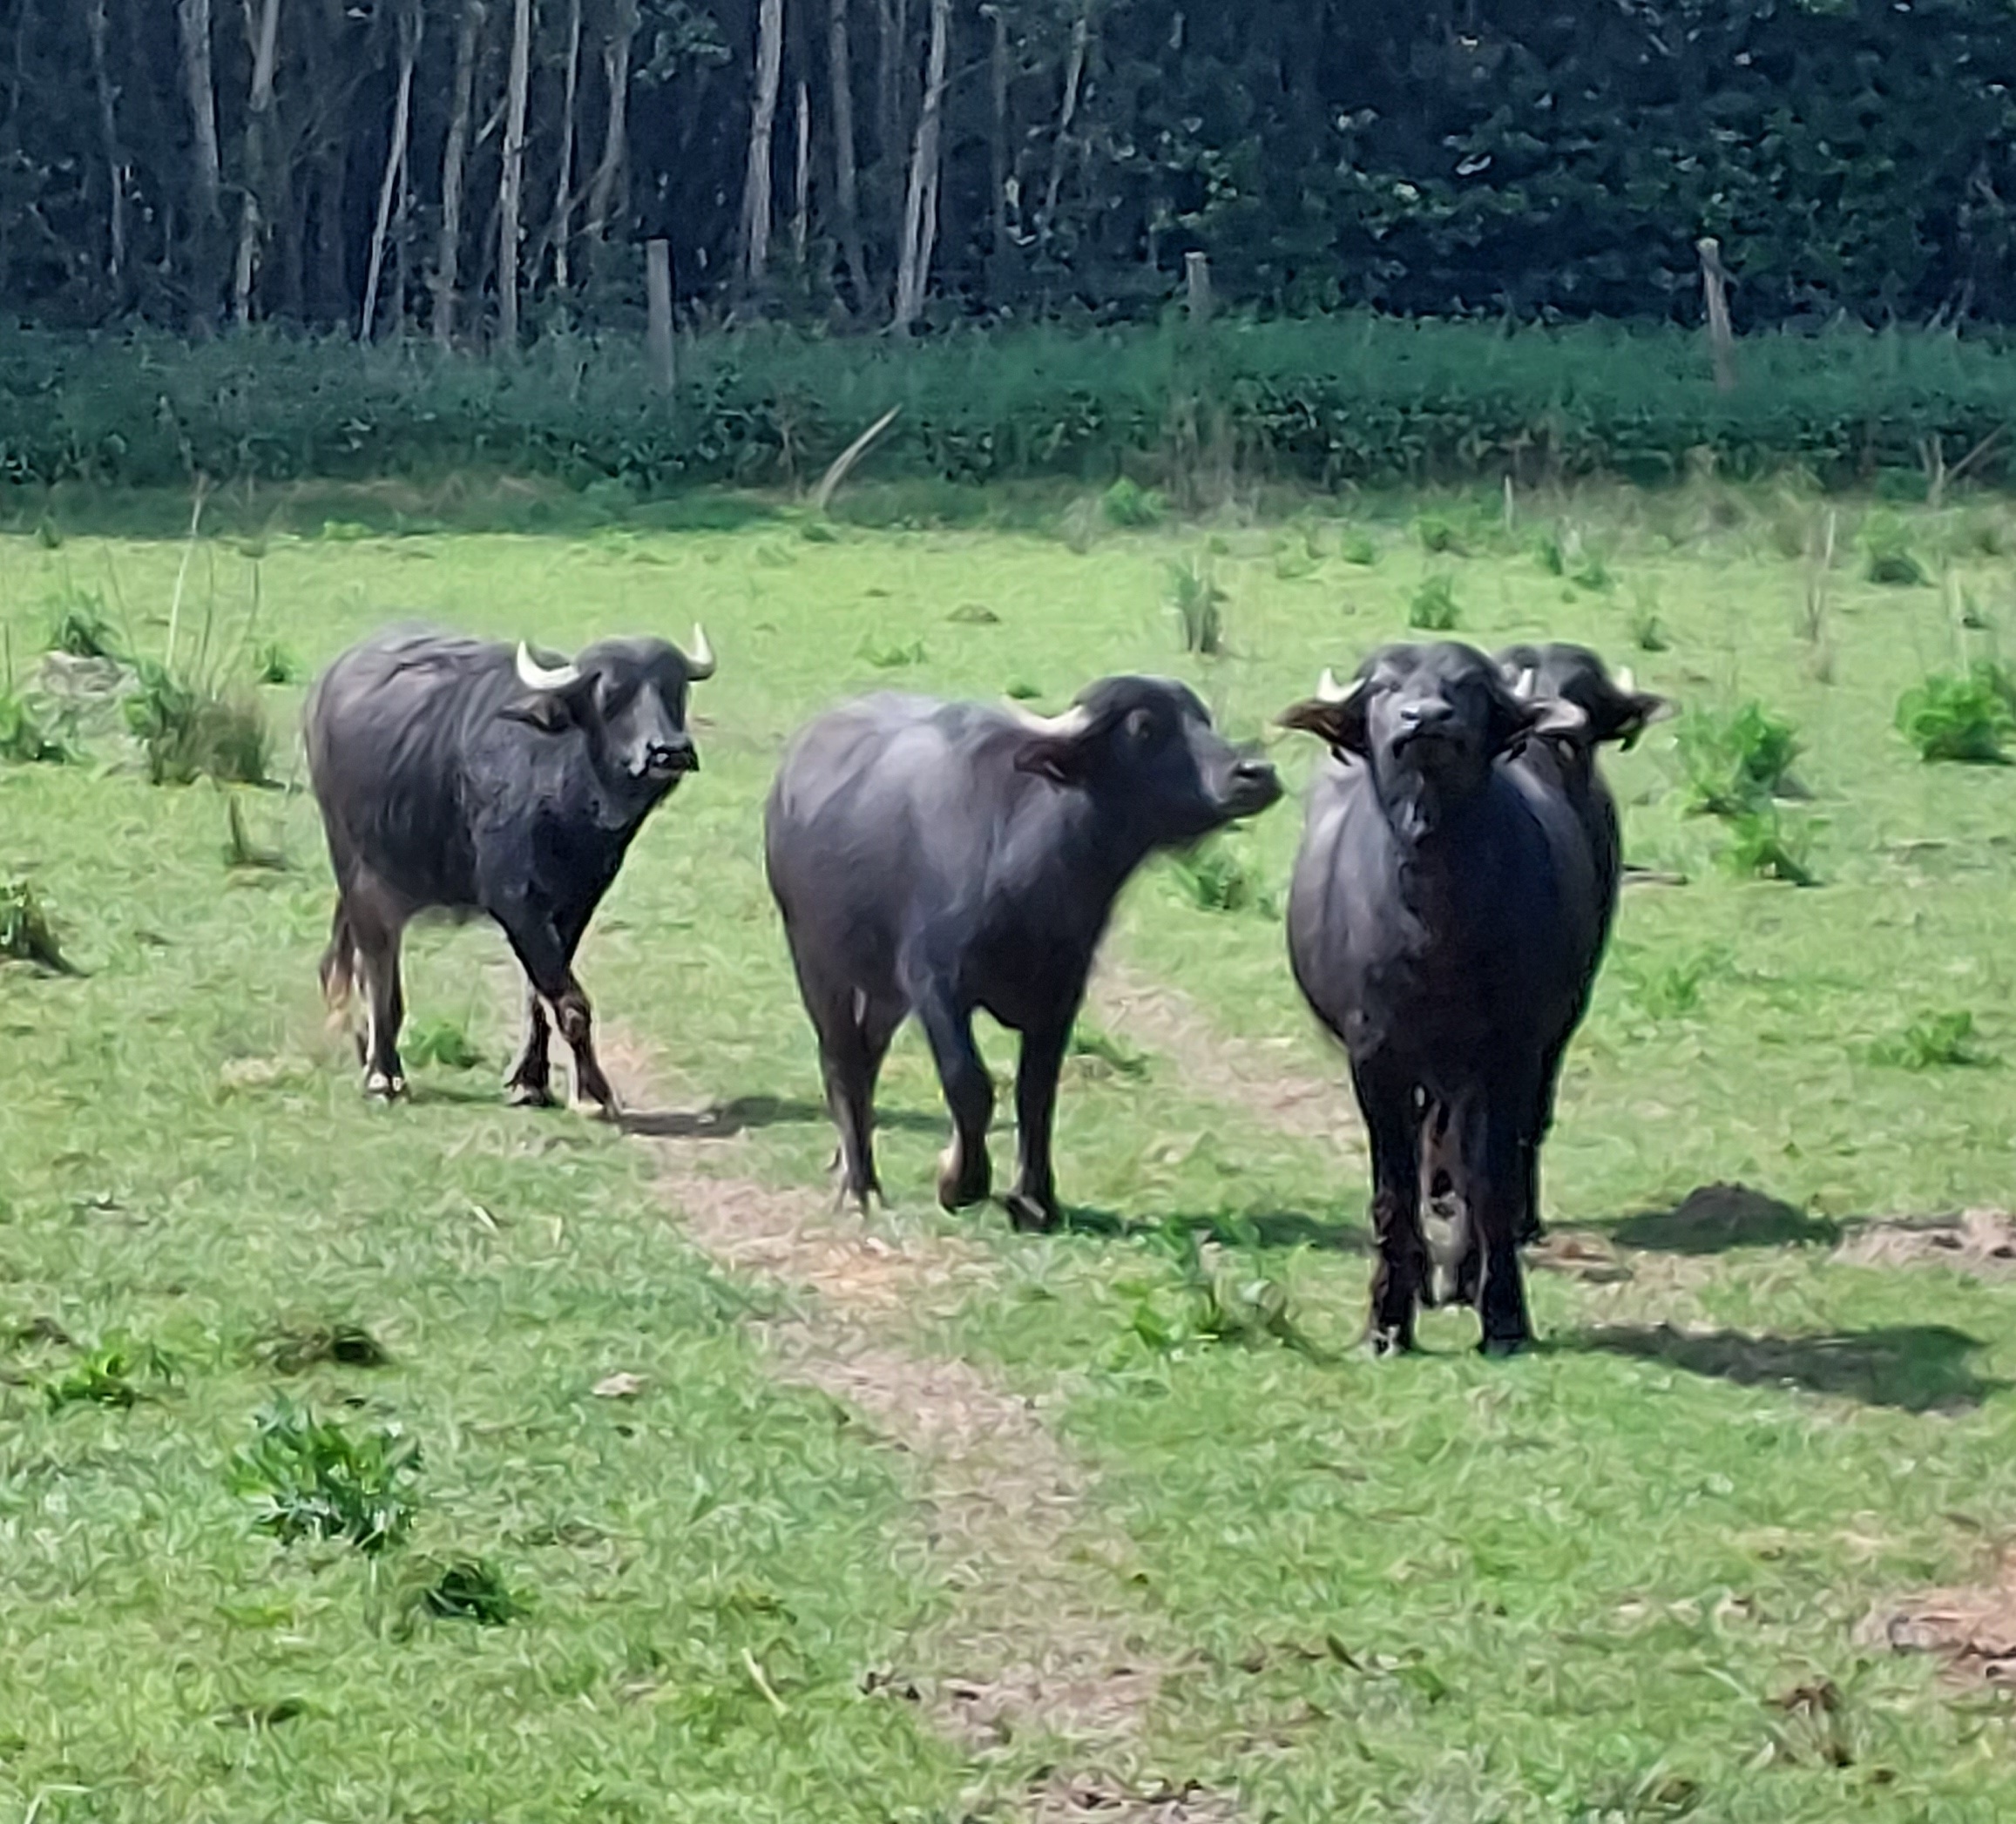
(658, 299)
(1197, 287)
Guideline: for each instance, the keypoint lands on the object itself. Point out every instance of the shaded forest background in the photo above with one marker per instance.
(479, 169)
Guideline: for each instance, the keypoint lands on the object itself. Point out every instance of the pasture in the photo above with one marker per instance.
(919, 1519)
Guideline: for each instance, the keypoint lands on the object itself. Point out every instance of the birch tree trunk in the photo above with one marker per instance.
(108, 121)
(259, 108)
(920, 227)
(454, 168)
(997, 135)
(511, 182)
(206, 164)
(559, 229)
(1073, 75)
(616, 65)
(409, 28)
(846, 179)
(762, 128)
(801, 180)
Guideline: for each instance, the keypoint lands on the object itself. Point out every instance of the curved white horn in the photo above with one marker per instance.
(536, 677)
(1330, 691)
(700, 662)
(1625, 682)
(1528, 678)
(1074, 721)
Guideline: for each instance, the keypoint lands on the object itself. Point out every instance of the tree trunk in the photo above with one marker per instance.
(616, 65)
(409, 29)
(109, 136)
(920, 227)
(259, 107)
(454, 169)
(997, 135)
(206, 164)
(846, 181)
(801, 180)
(762, 126)
(1073, 75)
(511, 181)
(559, 229)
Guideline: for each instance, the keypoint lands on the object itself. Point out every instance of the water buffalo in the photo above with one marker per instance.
(1444, 910)
(1614, 711)
(936, 858)
(458, 774)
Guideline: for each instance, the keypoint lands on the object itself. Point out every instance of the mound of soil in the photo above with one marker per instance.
(1974, 1629)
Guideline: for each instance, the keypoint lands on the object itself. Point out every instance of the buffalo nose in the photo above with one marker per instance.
(1417, 716)
(1254, 778)
(676, 756)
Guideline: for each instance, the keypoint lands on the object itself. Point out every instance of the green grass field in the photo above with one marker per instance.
(1627, 1576)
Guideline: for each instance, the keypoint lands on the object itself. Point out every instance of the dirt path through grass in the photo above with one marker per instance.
(1038, 1638)
(1239, 1073)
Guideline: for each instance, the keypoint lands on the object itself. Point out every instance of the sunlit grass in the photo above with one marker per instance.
(1567, 1587)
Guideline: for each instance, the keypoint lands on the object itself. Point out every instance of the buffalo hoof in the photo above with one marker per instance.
(857, 1199)
(381, 1088)
(1031, 1215)
(598, 1108)
(529, 1095)
(1382, 1343)
(1499, 1347)
(963, 1182)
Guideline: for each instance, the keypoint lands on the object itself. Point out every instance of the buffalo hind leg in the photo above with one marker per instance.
(529, 1082)
(385, 999)
(965, 1173)
(853, 1037)
(338, 973)
(1400, 1277)
(1032, 1203)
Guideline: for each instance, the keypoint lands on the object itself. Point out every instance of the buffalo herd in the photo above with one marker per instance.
(1456, 884)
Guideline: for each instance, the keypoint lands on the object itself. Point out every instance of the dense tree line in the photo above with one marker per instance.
(473, 169)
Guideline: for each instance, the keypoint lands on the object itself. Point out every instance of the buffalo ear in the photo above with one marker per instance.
(1337, 720)
(1515, 719)
(1058, 758)
(549, 712)
(1636, 711)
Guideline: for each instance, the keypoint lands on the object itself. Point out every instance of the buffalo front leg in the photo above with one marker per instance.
(965, 1173)
(1032, 1203)
(529, 1081)
(1400, 1275)
(546, 959)
(1499, 1199)
(385, 1001)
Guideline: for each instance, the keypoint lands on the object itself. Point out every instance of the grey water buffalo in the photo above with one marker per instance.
(1443, 913)
(461, 776)
(938, 858)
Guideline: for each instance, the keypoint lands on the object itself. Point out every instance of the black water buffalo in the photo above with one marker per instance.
(1614, 710)
(936, 858)
(1443, 914)
(455, 774)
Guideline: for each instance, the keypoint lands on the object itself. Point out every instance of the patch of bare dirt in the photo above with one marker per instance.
(1982, 1240)
(1243, 1074)
(1973, 1630)
(1038, 1640)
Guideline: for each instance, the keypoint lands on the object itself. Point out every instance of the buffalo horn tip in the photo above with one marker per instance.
(700, 663)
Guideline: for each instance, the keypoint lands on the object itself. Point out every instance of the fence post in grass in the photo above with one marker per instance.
(658, 304)
(1197, 287)
(1714, 293)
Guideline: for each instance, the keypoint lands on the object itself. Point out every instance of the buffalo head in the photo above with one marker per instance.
(1429, 721)
(1145, 746)
(627, 697)
(1615, 710)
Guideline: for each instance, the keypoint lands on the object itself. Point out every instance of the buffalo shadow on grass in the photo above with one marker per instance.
(1264, 1229)
(744, 1114)
(1915, 1368)
(1714, 1218)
